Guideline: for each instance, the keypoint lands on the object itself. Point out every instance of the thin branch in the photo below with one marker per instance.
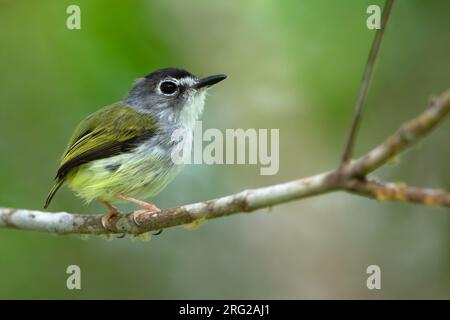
(350, 178)
(405, 136)
(365, 83)
(399, 192)
(141, 221)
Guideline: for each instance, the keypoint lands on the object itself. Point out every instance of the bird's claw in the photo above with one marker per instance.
(149, 210)
(105, 221)
(135, 215)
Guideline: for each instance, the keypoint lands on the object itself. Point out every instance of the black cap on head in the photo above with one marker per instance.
(167, 88)
(175, 73)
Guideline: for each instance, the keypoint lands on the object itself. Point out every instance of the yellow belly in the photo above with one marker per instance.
(136, 175)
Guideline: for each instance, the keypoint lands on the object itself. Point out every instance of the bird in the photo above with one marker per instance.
(122, 152)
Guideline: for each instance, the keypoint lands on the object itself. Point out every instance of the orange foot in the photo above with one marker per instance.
(147, 206)
(112, 212)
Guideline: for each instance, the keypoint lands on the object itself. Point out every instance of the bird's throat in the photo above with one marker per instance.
(192, 110)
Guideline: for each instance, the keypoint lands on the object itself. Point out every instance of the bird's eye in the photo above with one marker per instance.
(168, 87)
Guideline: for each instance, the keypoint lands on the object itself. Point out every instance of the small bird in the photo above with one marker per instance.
(123, 151)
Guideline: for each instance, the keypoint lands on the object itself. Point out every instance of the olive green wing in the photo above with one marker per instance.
(108, 132)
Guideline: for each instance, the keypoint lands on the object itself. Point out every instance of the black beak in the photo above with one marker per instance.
(209, 81)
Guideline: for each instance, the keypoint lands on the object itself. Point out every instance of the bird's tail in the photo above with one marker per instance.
(52, 192)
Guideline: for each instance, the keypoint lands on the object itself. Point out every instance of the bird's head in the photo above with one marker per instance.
(172, 94)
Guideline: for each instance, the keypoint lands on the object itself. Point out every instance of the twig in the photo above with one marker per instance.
(365, 83)
(350, 178)
(405, 136)
(399, 192)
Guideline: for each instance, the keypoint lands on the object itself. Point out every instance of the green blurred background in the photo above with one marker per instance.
(292, 65)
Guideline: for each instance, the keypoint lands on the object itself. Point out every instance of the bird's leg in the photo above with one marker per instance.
(148, 206)
(113, 211)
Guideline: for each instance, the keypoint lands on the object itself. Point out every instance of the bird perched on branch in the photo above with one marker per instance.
(123, 151)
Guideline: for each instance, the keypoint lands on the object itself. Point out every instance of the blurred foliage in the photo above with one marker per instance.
(293, 65)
